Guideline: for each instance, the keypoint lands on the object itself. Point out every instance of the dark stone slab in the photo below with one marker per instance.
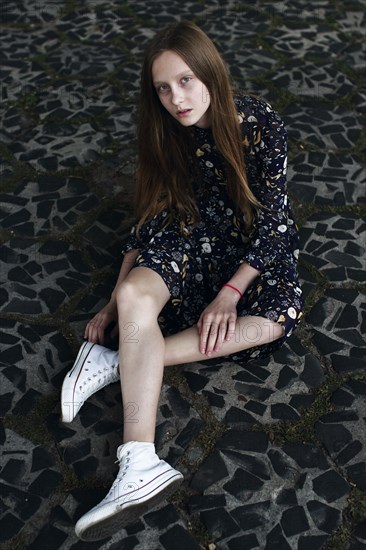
(245, 541)
(313, 373)
(6, 401)
(276, 540)
(128, 543)
(349, 452)
(178, 404)
(344, 363)
(311, 542)
(194, 426)
(49, 537)
(205, 502)
(294, 521)
(325, 344)
(282, 465)
(213, 469)
(45, 484)
(325, 517)
(306, 456)
(13, 471)
(179, 539)
(257, 408)
(339, 417)
(259, 372)
(164, 432)
(286, 377)
(287, 497)
(330, 486)
(41, 459)
(242, 440)
(251, 390)
(162, 518)
(86, 468)
(243, 482)
(342, 398)
(251, 516)
(213, 399)
(196, 382)
(237, 416)
(219, 523)
(360, 530)
(281, 411)
(301, 402)
(10, 526)
(357, 473)
(58, 516)
(255, 465)
(334, 437)
(28, 402)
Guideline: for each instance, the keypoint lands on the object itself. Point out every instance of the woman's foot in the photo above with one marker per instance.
(95, 367)
(142, 482)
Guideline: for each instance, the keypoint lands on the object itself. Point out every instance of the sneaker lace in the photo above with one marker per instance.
(124, 463)
(103, 375)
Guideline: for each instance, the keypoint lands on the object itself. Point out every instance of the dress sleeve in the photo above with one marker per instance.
(146, 233)
(132, 243)
(270, 236)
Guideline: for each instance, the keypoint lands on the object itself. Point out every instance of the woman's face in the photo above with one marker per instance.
(184, 96)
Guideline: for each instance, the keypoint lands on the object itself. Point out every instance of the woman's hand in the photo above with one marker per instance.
(94, 330)
(217, 322)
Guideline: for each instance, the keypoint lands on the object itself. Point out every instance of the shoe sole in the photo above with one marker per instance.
(127, 515)
(68, 387)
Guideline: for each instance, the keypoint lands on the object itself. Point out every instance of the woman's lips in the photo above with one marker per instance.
(184, 112)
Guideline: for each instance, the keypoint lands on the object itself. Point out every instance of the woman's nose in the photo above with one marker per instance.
(177, 96)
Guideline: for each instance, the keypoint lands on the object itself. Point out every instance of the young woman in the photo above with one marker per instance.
(209, 269)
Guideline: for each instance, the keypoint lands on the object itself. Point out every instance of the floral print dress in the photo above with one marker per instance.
(196, 265)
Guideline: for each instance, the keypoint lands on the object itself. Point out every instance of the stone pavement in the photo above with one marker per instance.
(273, 452)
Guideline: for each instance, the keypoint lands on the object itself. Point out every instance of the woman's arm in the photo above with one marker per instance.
(128, 261)
(273, 225)
(242, 279)
(273, 233)
(94, 330)
(217, 321)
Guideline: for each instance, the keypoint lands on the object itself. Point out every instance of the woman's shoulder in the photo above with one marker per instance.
(253, 109)
(257, 118)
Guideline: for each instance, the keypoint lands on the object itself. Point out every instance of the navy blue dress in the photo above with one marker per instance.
(195, 265)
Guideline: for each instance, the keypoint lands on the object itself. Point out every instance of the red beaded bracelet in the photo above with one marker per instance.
(234, 288)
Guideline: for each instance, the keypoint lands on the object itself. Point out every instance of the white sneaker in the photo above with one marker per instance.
(142, 482)
(94, 368)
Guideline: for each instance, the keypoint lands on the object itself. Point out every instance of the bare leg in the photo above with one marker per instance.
(250, 331)
(144, 352)
(140, 298)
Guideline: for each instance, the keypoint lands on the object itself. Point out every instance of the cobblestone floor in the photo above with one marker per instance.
(273, 452)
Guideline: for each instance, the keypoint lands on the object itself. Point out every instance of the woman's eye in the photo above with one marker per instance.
(163, 88)
(186, 79)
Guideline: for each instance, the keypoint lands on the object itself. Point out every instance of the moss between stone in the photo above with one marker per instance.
(32, 426)
(302, 431)
(19, 542)
(200, 533)
(213, 429)
(354, 514)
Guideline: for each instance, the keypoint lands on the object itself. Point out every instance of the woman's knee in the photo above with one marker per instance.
(259, 331)
(133, 294)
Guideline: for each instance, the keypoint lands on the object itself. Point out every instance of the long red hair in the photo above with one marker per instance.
(163, 180)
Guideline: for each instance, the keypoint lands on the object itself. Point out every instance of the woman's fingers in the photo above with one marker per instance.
(115, 331)
(214, 332)
(231, 327)
(208, 336)
(94, 331)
